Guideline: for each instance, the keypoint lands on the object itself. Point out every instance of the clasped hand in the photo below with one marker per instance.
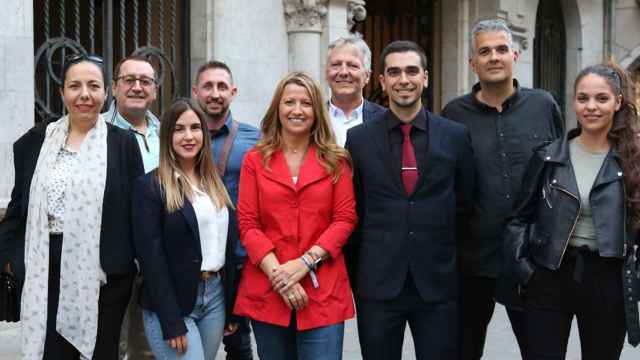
(285, 280)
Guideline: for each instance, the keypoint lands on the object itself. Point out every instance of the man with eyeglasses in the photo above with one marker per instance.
(134, 90)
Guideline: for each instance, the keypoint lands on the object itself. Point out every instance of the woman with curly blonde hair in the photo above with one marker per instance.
(296, 209)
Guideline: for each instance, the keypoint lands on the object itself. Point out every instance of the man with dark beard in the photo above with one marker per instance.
(215, 90)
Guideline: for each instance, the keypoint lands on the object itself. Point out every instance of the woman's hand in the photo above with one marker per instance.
(7, 269)
(295, 298)
(288, 274)
(230, 328)
(178, 343)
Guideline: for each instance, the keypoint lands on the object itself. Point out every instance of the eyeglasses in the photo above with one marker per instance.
(130, 80)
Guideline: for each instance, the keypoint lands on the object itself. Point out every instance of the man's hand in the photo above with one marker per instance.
(178, 343)
(230, 328)
(7, 269)
(295, 298)
(288, 274)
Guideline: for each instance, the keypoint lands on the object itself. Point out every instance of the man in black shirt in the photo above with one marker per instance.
(506, 122)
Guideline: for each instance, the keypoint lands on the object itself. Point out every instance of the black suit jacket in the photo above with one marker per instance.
(401, 234)
(371, 110)
(169, 250)
(124, 164)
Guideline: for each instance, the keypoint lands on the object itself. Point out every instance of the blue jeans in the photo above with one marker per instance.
(287, 343)
(205, 325)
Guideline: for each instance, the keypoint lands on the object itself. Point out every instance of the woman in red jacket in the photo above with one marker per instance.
(296, 209)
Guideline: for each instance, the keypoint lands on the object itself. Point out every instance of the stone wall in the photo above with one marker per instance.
(250, 36)
(16, 84)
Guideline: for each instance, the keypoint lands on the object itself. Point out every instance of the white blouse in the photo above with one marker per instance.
(213, 224)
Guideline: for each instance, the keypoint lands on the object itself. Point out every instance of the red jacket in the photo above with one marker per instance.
(274, 214)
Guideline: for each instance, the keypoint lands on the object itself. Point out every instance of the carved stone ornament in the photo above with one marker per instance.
(305, 15)
(356, 12)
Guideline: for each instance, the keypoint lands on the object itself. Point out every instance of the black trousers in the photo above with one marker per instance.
(477, 303)
(586, 286)
(112, 303)
(381, 326)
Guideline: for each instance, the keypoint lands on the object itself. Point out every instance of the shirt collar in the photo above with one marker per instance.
(419, 121)
(114, 117)
(506, 104)
(225, 129)
(336, 112)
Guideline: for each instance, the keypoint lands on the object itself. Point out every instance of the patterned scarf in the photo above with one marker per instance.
(80, 272)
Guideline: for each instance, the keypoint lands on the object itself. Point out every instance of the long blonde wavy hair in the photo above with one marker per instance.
(173, 181)
(327, 151)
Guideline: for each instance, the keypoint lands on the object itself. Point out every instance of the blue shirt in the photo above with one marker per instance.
(245, 139)
(148, 143)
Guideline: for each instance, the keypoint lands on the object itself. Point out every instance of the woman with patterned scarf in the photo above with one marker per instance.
(69, 211)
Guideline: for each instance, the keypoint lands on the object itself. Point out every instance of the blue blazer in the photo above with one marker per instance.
(371, 110)
(168, 248)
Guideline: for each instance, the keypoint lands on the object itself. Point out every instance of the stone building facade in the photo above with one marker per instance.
(262, 40)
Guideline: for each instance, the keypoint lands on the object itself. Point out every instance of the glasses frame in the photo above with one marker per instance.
(154, 82)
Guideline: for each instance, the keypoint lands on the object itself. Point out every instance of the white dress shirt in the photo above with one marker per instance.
(341, 123)
(213, 224)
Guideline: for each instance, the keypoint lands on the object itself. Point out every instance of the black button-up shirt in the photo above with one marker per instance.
(503, 143)
(419, 139)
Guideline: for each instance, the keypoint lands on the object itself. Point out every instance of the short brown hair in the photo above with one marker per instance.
(213, 64)
(116, 70)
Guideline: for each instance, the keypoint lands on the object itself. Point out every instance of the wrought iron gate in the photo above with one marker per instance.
(388, 21)
(549, 50)
(113, 29)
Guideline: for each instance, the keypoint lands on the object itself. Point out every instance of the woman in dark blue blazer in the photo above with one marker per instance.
(183, 238)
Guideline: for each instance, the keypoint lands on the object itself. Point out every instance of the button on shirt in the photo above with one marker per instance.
(341, 123)
(149, 143)
(245, 139)
(503, 143)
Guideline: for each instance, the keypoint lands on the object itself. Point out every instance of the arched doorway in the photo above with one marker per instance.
(388, 21)
(549, 50)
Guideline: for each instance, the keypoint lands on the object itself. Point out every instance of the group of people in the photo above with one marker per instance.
(331, 207)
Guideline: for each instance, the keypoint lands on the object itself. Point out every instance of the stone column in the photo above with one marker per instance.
(16, 85)
(305, 20)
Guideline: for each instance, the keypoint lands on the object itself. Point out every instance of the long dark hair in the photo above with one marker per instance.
(624, 134)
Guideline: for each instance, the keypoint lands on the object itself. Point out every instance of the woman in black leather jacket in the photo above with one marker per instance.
(574, 222)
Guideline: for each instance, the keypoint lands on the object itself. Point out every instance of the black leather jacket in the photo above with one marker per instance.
(548, 209)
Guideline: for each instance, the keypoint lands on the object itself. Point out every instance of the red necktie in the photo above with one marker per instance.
(409, 166)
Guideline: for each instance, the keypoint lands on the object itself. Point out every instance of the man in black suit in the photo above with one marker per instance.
(414, 178)
(347, 72)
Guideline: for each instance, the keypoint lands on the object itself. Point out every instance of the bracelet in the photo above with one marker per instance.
(312, 270)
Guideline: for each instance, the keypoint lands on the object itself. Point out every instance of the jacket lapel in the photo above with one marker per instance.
(610, 170)
(279, 170)
(378, 134)
(431, 141)
(189, 215)
(311, 169)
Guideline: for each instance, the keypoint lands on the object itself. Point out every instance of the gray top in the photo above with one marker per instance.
(586, 166)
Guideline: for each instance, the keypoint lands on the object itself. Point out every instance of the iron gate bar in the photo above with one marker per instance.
(136, 28)
(123, 29)
(107, 42)
(173, 31)
(92, 25)
(76, 18)
(148, 22)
